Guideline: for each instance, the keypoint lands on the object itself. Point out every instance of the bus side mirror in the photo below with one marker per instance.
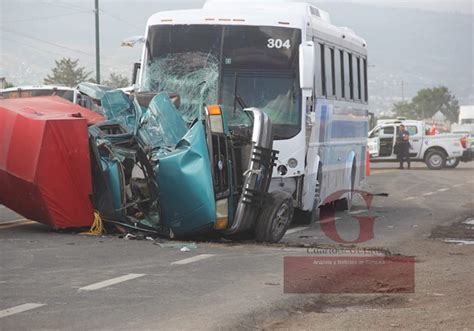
(307, 68)
(136, 68)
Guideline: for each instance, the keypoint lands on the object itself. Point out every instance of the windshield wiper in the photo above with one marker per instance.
(238, 99)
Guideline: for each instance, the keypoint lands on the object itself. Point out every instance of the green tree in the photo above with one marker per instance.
(67, 73)
(117, 81)
(428, 102)
(8, 84)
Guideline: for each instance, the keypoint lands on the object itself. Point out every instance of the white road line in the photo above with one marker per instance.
(358, 212)
(428, 193)
(109, 282)
(20, 309)
(443, 189)
(328, 220)
(193, 259)
(12, 224)
(301, 228)
(410, 198)
(458, 185)
(19, 220)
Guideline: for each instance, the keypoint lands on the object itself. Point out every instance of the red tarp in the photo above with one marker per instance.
(45, 171)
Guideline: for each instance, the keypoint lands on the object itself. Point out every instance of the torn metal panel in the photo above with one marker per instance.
(161, 126)
(186, 187)
(117, 106)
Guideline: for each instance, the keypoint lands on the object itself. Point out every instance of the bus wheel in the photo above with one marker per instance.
(275, 217)
(309, 217)
(341, 204)
(452, 163)
(346, 203)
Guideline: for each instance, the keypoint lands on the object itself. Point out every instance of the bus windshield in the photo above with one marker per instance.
(217, 63)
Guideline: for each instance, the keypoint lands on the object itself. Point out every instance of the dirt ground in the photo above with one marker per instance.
(443, 298)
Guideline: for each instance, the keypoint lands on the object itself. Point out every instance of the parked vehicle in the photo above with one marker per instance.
(467, 141)
(287, 59)
(434, 150)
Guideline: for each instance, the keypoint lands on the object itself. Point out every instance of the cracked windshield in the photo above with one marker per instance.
(206, 64)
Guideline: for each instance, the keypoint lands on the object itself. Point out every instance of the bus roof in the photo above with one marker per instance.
(289, 13)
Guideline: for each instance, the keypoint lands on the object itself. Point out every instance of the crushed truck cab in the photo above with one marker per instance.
(155, 171)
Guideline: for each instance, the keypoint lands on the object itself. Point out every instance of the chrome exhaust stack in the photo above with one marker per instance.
(258, 175)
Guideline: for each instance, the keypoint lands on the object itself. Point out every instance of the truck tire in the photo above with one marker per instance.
(453, 163)
(435, 160)
(275, 217)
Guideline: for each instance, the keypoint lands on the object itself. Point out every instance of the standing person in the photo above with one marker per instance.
(403, 142)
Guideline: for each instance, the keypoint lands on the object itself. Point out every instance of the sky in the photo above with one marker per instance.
(34, 33)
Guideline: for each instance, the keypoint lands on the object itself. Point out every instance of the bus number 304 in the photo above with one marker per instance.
(278, 43)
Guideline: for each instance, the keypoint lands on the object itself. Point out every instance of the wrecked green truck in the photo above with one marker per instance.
(154, 170)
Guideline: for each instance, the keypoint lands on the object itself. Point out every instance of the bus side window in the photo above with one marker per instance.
(365, 95)
(351, 76)
(355, 87)
(342, 74)
(359, 86)
(337, 74)
(329, 71)
(323, 71)
(318, 83)
(348, 75)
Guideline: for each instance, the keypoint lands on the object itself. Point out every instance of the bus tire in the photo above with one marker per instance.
(341, 204)
(275, 217)
(435, 160)
(346, 203)
(453, 163)
(304, 217)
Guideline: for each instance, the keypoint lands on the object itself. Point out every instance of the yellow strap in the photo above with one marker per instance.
(97, 228)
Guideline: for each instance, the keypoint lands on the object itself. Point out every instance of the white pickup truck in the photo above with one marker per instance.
(437, 151)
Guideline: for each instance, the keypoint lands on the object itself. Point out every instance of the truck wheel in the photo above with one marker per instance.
(275, 217)
(435, 160)
(452, 163)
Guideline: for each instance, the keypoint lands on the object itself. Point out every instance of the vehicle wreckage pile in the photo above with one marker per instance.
(138, 162)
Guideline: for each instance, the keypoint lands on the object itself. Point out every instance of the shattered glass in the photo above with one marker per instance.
(117, 106)
(162, 126)
(192, 75)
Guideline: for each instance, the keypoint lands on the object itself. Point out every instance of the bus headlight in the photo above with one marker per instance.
(292, 163)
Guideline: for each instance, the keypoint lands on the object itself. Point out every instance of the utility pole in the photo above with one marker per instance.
(403, 91)
(97, 43)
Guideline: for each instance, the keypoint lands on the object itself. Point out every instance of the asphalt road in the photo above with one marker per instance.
(52, 280)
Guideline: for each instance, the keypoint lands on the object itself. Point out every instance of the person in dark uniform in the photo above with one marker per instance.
(403, 146)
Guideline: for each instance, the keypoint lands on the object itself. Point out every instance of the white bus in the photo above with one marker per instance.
(288, 60)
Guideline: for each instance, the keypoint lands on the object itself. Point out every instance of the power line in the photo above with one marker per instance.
(47, 17)
(121, 19)
(68, 6)
(46, 42)
(49, 52)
